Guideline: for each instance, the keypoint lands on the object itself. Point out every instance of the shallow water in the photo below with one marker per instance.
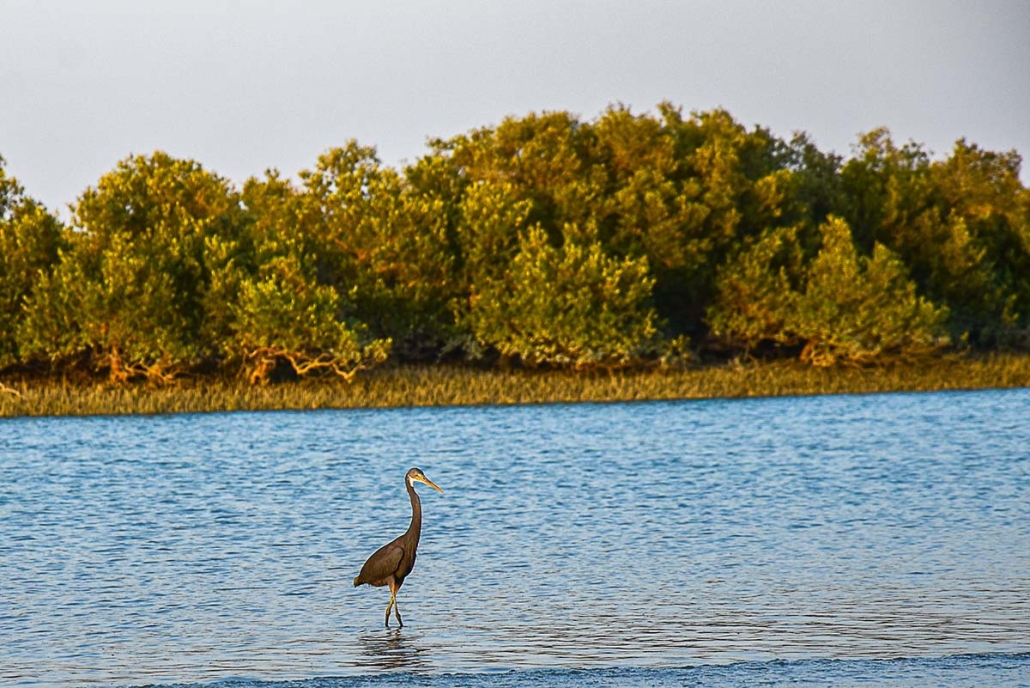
(795, 538)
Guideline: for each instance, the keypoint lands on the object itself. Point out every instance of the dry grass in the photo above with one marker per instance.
(455, 386)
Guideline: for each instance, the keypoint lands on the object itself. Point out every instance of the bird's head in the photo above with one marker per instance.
(415, 475)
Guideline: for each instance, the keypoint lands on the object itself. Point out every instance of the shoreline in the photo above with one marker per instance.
(442, 386)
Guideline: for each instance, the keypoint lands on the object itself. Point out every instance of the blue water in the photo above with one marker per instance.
(808, 541)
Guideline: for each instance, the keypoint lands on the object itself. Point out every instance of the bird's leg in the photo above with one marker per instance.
(393, 601)
(393, 587)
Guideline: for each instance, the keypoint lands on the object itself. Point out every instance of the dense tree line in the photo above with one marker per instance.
(543, 241)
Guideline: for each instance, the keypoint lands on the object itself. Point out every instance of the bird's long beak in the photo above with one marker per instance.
(427, 481)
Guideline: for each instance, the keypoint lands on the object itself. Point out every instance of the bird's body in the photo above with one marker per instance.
(391, 563)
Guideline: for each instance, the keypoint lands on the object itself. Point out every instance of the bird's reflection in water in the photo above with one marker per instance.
(393, 650)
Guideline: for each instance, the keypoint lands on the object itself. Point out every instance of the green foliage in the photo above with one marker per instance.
(857, 309)
(706, 185)
(387, 243)
(570, 305)
(285, 315)
(292, 297)
(679, 192)
(30, 242)
(130, 293)
(759, 291)
(545, 240)
(984, 259)
(961, 225)
(840, 306)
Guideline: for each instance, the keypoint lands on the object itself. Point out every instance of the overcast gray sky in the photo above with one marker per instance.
(241, 86)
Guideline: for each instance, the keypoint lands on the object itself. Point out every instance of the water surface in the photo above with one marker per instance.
(716, 536)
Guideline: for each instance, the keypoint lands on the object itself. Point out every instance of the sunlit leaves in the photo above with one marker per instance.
(30, 241)
(858, 309)
(386, 242)
(757, 292)
(566, 306)
(959, 224)
(837, 307)
(133, 287)
(285, 316)
(546, 240)
(294, 290)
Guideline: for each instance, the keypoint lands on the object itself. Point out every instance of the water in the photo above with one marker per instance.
(809, 541)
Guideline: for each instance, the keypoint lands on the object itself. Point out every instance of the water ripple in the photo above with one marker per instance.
(647, 536)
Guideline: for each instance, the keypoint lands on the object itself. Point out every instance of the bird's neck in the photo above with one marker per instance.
(416, 511)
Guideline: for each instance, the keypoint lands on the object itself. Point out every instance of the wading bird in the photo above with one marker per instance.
(391, 563)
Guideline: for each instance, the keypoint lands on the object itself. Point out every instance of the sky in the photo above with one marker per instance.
(246, 85)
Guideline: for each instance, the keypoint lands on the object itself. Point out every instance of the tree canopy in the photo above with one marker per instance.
(545, 240)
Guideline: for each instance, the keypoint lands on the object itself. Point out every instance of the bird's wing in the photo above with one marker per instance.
(382, 564)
